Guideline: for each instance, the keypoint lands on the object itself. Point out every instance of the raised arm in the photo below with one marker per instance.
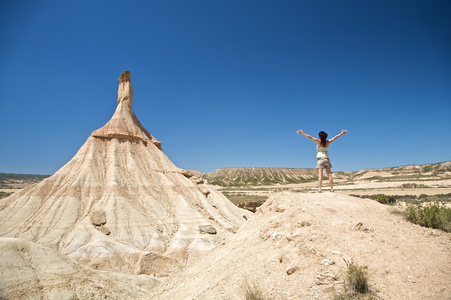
(338, 135)
(308, 136)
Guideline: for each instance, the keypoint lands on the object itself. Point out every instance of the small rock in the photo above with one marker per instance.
(207, 229)
(305, 223)
(336, 252)
(289, 237)
(281, 208)
(204, 190)
(197, 180)
(327, 262)
(357, 226)
(313, 238)
(104, 230)
(187, 173)
(292, 270)
(98, 218)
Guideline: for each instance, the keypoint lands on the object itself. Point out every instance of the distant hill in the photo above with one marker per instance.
(18, 181)
(235, 177)
(260, 176)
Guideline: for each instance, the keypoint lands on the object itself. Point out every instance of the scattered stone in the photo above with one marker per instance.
(289, 237)
(104, 230)
(281, 208)
(187, 173)
(292, 270)
(98, 218)
(305, 223)
(359, 227)
(336, 252)
(204, 190)
(313, 238)
(197, 180)
(325, 278)
(327, 262)
(207, 229)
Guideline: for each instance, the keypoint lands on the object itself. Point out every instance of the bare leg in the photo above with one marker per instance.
(331, 179)
(320, 179)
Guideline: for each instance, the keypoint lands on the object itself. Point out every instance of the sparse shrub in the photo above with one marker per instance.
(4, 194)
(431, 216)
(357, 279)
(252, 291)
(384, 199)
(356, 284)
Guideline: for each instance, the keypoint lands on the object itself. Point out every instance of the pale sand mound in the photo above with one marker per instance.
(32, 271)
(309, 236)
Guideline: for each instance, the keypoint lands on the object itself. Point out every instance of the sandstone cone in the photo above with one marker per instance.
(120, 204)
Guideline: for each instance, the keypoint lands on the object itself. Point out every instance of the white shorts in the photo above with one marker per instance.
(323, 163)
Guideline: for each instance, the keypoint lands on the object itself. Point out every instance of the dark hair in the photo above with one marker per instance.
(323, 138)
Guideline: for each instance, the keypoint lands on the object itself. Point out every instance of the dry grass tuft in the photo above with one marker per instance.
(252, 291)
(356, 284)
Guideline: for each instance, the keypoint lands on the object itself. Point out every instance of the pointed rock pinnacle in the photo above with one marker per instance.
(125, 91)
(124, 123)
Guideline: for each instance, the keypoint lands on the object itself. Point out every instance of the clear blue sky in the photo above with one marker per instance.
(227, 83)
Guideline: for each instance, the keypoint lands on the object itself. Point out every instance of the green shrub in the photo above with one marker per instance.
(357, 279)
(384, 199)
(356, 284)
(4, 194)
(431, 216)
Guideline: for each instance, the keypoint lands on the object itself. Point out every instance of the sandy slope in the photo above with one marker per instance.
(302, 231)
(32, 271)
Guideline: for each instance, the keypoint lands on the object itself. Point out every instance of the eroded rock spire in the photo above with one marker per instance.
(125, 91)
(124, 123)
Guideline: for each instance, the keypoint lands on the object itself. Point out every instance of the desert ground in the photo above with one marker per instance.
(414, 187)
(298, 245)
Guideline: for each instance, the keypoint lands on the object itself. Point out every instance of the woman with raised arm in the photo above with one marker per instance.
(322, 155)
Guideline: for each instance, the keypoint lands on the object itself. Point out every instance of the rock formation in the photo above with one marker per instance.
(120, 204)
